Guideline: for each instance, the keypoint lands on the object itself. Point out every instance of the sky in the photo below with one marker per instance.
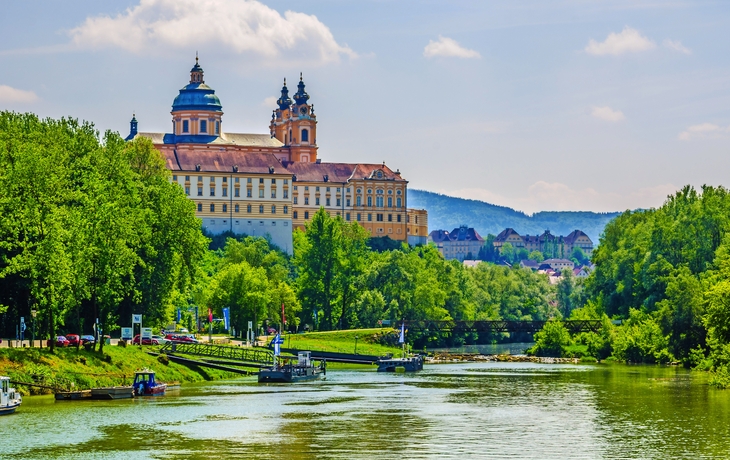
(536, 105)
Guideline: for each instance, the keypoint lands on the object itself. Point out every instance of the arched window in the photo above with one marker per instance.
(390, 201)
(398, 202)
(370, 201)
(380, 202)
(305, 135)
(359, 201)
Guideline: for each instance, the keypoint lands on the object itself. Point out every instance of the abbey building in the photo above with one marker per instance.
(270, 184)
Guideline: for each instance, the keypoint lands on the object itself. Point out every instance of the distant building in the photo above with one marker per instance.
(547, 243)
(458, 244)
(557, 264)
(472, 263)
(531, 264)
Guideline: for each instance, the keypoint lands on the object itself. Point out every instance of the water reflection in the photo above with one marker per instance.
(484, 410)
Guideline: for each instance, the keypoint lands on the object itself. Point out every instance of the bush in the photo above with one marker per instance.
(588, 359)
(552, 340)
(641, 340)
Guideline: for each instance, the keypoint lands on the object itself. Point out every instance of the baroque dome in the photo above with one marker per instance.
(197, 96)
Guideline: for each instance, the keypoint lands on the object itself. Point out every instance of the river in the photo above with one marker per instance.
(475, 410)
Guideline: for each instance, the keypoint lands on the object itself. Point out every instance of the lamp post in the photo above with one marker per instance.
(33, 313)
(356, 337)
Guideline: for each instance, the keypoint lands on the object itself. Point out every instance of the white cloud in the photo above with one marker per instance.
(270, 102)
(607, 114)
(555, 196)
(242, 26)
(676, 45)
(9, 94)
(448, 47)
(627, 41)
(703, 131)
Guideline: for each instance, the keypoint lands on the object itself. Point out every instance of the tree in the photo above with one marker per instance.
(508, 252)
(565, 291)
(551, 340)
(487, 252)
(536, 256)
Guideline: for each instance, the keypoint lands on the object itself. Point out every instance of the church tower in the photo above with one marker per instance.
(295, 124)
(196, 111)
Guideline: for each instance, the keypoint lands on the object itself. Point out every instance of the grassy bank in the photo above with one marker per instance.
(377, 342)
(68, 368)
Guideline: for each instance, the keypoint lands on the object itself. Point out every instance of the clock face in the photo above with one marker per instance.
(303, 110)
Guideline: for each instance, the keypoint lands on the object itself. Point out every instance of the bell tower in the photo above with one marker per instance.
(295, 124)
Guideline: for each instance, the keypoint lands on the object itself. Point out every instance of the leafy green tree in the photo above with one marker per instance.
(551, 340)
(565, 293)
(244, 289)
(487, 252)
(536, 256)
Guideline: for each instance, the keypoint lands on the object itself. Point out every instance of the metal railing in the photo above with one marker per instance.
(247, 355)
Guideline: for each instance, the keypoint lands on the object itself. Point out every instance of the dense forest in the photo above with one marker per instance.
(448, 212)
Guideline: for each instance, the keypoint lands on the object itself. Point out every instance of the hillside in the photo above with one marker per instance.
(447, 213)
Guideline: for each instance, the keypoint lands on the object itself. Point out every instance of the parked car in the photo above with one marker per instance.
(73, 339)
(153, 341)
(60, 341)
(87, 339)
(271, 330)
(160, 339)
(181, 338)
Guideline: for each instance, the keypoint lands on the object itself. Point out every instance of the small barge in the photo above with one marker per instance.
(9, 398)
(120, 392)
(410, 364)
(145, 384)
(303, 370)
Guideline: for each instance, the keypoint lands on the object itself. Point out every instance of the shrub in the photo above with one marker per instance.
(552, 340)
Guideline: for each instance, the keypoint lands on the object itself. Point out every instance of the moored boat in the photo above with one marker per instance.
(10, 399)
(145, 384)
(303, 370)
(119, 392)
(409, 364)
(72, 395)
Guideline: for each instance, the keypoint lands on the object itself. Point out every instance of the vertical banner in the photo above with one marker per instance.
(210, 315)
(179, 316)
(227, 318)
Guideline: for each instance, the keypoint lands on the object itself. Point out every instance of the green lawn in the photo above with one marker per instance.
(369, 341)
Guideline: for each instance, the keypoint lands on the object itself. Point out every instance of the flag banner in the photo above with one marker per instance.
(179, 315)
(283, 316)
(227, 318)
(210, 315)
(277, 344)
(402, 337)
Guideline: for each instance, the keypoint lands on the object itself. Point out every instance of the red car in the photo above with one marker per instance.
(73, 339)
(135, 341)
(180, 338)
(60, 341)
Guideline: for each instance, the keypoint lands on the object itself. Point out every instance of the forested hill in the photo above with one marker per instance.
(448, 212)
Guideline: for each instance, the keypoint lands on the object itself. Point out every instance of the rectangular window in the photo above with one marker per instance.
(225, 191)
(398, 217)
(248, 180)
(286, 181)
(339, 202)
(174, 177)
(237, 192)
(261, 180)
(273, 209)
(327, 203)
(358, 201)
(200, 191)
(295, 200)
(328, 189)
(316, 201)
(212, 191)
(200, 207)
(286, 209)
(306, 188)
(370, 201)
(225, 180)
(317, 189)
(348, 202)
(273, 181)
(273, 193)
(379, 217)
(390, 202)
(296, 187)
(306, 200)
(338, 190)
(203, 126)
(187, 178)
(236, 180)
(186, 126)
(187, 190)
(261, 193)
(296, 214)
(249, 193)
(261, 209)
(286, 193)
(248, 209)
(225, 208)
(390, 217)
(212, 208)
(306, 215)
(370, 217)
(237, 209)
(358, 217)
(347, 216)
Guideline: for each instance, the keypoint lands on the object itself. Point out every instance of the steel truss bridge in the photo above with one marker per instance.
(531, 327)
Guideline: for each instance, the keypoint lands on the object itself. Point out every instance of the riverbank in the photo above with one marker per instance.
(68, 368)
(448, 358)
(377, 342)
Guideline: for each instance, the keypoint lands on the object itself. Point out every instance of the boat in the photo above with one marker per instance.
(119, 392)
(9, 398)
(409, 364)
(145, 384)
(303, 370)
(72, 395)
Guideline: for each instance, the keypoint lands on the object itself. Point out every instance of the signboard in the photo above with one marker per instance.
(126, 333)
(146, 333)
(136, 319)
(227, 318)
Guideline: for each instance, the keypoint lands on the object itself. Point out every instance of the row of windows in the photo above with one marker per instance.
(237, 192)
(203, 126)
(358, 201)
(236, 180)
(238, 222)
(378, 217)
(249, 208)
(370, 191)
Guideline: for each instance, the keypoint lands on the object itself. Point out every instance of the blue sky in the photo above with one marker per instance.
(536, 105)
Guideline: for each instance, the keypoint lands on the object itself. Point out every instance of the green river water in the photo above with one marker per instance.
(475, 410)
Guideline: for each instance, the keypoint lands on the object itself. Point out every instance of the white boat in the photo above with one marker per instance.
(9, 398)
